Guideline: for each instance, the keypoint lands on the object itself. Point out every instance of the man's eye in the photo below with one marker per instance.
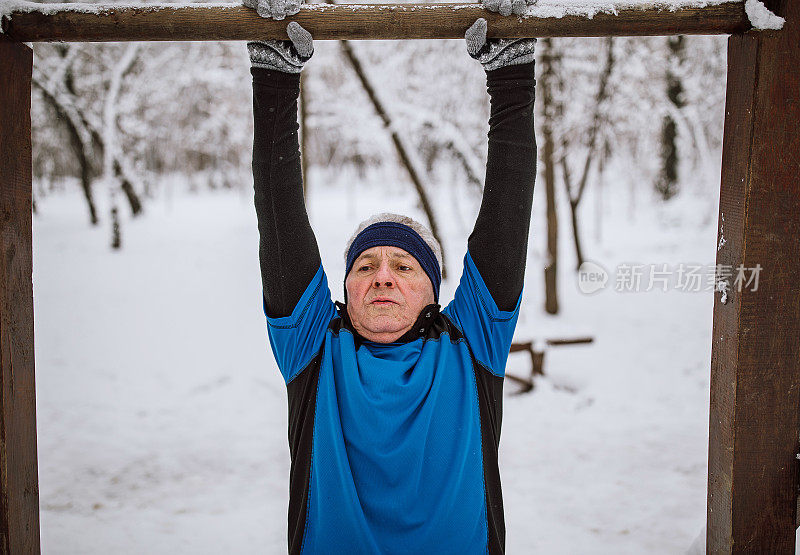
(404, 268)
(363, 268)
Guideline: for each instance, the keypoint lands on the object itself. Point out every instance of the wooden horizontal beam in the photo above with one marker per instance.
(98, 23)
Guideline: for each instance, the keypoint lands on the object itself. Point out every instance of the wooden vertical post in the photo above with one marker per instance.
(19, 491)
(755, 366)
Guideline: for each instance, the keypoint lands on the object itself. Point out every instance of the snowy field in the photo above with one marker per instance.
(162, 416)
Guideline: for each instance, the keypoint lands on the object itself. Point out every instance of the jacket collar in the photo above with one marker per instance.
(420, 328)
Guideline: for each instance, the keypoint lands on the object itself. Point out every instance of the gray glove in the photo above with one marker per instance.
(497, 53)
(507, 7)
(287, 56)
(275, 9)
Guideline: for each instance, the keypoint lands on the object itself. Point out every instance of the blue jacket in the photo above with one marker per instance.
(394, 446)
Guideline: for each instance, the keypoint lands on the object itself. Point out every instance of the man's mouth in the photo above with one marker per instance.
(383, 301)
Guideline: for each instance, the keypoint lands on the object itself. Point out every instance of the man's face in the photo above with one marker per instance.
(386, 290)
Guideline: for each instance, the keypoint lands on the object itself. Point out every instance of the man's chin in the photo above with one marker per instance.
(384, 325)
(388, 310)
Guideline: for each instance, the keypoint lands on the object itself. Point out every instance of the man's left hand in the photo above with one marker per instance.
(507, 7)
(275, 9)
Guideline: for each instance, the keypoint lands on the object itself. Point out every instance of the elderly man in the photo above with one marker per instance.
(394, 405)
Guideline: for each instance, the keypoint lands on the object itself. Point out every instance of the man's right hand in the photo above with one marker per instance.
(286, 56)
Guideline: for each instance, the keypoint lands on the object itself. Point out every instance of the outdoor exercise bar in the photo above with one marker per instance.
(97, 23)
(753, 466)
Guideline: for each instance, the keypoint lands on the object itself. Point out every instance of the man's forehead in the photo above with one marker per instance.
(392, 252)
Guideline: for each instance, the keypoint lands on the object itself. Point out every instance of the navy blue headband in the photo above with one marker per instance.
(393, 234)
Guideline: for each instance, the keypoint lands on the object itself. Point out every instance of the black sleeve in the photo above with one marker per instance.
(499, 242)
(288, 249)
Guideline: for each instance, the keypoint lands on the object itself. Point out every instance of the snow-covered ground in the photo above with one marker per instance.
(162, 416)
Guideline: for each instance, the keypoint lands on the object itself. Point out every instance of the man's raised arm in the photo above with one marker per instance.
(499, 242)
(288, 249)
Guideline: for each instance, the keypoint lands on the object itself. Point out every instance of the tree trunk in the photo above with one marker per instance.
(546, 83)
(127, 187)
(573, 208)
(667, 180)
(116, 236)
(113, 164)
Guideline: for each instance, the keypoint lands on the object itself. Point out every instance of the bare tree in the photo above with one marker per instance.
(89, 138)
(575, 194)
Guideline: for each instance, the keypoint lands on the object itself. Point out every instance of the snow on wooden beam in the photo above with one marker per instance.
(96, 23)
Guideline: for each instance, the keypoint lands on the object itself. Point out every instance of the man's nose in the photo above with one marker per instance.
(384, 276)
